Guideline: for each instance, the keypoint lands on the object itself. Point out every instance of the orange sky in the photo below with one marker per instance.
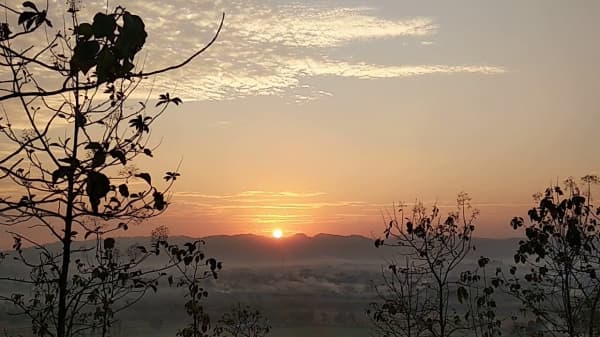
(318, 116)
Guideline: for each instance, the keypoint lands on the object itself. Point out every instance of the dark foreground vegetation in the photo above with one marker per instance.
(74, 140)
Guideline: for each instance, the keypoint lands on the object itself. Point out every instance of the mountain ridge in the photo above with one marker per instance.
(258, 250)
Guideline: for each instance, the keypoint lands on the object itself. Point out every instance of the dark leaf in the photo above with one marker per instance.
(139, 123)
(109, 243)
(59, 173)
(104, 25)
(85, 30)
(132, 36)
(159, 201)
(84, 56)
(145, 176)
(26, 17)
(118, 154)
(30, 5)
(124, 190)
(99, 158)
(97, 186)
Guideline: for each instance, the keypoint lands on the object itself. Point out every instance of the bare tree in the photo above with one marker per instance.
(242, 321)
(404, 302)
(417, 297)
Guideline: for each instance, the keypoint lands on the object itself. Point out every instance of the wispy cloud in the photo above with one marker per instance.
(362, 70)
(251, 210)
(267, 48)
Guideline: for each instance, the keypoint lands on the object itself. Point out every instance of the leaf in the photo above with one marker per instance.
(109, 243)
(97, 187)
(124, 190)
(139, 123)
(171, 176)
(148, 152)
(159, 201)
(118, 154)
(145, 176)
(99, 159)
(132, 36)
(84, 56)
(104, 25)
(26, 17)
(85, 30)
(59, 173)
(30, 5)
(107, 66)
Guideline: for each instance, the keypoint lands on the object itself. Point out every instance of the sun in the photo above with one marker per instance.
(277, 233)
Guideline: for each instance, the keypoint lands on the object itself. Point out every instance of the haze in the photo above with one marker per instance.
(317, 116)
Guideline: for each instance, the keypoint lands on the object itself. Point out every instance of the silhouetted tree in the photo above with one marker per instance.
(476, 289)
(560, 258)
(196, 268)
(70, 167)
(404, 302)
(415, 298)
(242, 321)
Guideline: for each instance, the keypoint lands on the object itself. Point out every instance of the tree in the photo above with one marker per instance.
(242, 321)
(560, 258)
(415, 298)
(191, 273)
(404, 302)
(74, 137)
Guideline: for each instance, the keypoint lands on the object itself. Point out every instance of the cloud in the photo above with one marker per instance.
(266, 48)
(251, 210)
(308, 27)
(361, 70)
(250, 194)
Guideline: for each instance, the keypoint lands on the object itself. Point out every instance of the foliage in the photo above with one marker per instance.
(242, 321)
(406, 301)
(560, 259)
(415, 298)
(74, 139)
(476, 288)
(193, 268)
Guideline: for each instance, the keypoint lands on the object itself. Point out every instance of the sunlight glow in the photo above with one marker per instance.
(277, 233)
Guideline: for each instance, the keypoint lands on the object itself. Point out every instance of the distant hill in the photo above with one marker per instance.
(255, 250)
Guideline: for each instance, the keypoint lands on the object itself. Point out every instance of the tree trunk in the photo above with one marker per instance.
(63, 281)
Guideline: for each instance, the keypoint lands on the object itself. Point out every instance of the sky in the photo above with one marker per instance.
(320, 116)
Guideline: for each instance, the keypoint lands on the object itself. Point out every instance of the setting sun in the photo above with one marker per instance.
(277, 233)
